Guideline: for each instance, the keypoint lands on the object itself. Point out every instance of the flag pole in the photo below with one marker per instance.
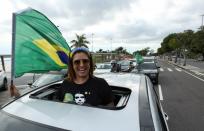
(13, 47)
(13, 90)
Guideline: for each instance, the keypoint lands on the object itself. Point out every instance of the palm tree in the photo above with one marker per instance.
(80, 41)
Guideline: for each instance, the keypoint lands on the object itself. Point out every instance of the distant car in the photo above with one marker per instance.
(136, 108)
(149, 69)
(126, 65)
(103, 68)
(3, 80)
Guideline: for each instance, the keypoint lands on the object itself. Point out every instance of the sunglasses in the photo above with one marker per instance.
(84, 61)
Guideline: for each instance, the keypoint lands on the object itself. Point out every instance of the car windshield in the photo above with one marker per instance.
(147, 66)
(47, 79)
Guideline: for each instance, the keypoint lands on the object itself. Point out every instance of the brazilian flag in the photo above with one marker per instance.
(139, 58)
(38, 46)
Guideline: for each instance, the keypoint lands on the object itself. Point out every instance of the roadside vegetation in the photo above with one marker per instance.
(186, 44)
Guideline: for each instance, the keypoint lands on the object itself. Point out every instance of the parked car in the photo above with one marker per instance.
(150, 69)
(126, 65)
(136, 108)
(3, 80)
(103, 68)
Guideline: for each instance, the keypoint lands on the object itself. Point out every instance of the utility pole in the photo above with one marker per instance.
(202, 22)
(111, 50)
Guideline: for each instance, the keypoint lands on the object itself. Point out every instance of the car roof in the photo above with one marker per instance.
(75, 117)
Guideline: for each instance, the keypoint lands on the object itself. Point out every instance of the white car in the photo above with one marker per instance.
(103, 68)
(3, 80)
(136, 108)
(126, 65)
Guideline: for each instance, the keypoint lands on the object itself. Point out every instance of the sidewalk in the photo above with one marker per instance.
(190, 68)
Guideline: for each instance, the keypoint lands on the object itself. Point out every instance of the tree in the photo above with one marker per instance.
(160, 51)
(175, 44)
(142, 52)
(185, 38)
(80, 41)
(100, 50)
(197, 45)
(165, 43)
(119, 49)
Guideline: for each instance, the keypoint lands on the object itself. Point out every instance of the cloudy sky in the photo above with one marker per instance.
(108, 24)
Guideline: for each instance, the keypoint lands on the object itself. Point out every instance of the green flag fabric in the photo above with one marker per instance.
(39, 45)
(139, 58)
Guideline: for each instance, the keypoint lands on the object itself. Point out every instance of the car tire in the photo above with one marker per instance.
(5, 84)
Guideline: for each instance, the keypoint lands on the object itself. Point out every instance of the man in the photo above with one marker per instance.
(81, 87)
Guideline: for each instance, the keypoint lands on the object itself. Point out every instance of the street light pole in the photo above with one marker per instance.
(111, 49)
(202, 21)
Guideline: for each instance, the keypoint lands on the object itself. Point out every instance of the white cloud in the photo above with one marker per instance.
(133, 24)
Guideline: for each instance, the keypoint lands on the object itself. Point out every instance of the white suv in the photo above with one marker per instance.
(136, 108)
(3, 80)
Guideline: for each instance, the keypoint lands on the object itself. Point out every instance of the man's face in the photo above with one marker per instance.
(81, 65)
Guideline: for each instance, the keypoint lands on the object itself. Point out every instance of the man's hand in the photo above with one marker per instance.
(13, 91)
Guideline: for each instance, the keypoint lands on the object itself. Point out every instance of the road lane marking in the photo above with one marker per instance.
(178, 69)
(200, 74)
(194, 76)
(160, 93)
(161, 69)
(169, 69)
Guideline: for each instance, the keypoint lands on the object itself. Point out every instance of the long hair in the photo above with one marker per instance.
(71, 73)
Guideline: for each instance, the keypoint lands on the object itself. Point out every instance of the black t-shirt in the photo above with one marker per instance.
(95, 91)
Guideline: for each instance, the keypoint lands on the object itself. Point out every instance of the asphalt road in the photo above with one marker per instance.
(183, 98)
